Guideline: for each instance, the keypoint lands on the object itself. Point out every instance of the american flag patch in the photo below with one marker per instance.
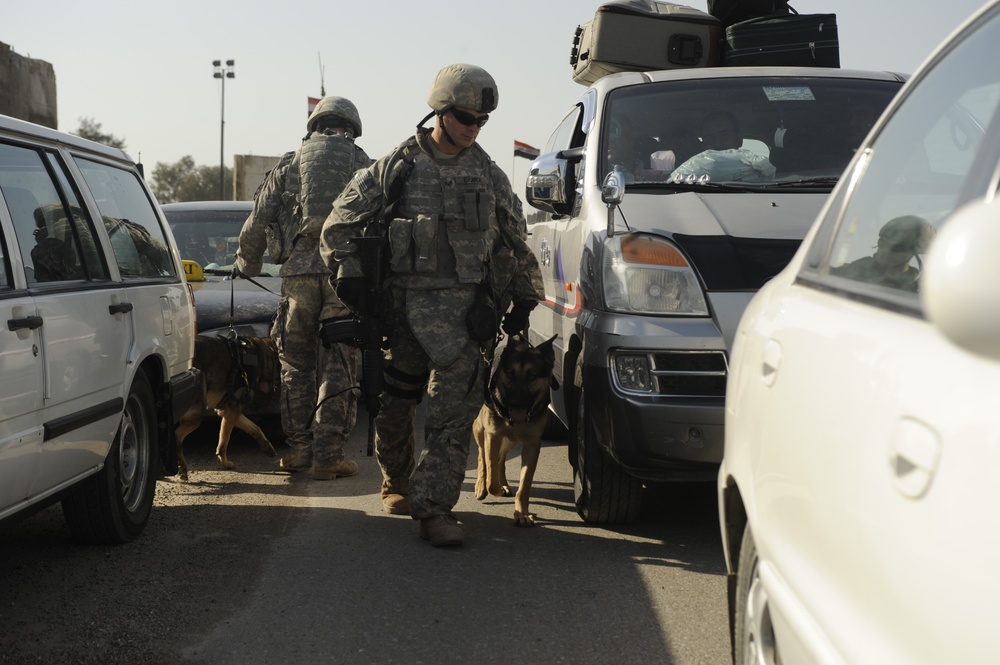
(365, 183)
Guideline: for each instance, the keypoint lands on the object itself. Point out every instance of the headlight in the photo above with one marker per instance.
(647, 275)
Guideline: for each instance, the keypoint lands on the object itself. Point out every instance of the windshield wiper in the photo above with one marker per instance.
(697, 186)
(824, 181)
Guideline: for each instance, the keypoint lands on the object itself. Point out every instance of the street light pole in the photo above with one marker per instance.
(223, 73)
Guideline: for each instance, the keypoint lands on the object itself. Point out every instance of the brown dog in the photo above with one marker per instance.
(515, 412)
(233, 373)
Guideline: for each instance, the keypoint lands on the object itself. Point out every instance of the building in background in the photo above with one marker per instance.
(29, 88)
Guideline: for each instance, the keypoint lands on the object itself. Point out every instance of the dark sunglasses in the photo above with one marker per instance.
(468, 119)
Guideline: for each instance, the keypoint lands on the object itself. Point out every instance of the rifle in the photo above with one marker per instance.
(371, 329)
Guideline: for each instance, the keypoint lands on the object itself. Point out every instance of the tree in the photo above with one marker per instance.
(91, 130)
(186, 181)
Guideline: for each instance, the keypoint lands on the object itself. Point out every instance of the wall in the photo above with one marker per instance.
(29, 88)
(248, 173)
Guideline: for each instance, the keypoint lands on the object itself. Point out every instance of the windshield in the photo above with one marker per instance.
(771, 131)
(211, 237)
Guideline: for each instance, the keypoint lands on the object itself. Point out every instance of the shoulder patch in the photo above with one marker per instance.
(365, 183)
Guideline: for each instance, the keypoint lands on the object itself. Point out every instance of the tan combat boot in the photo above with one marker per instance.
(296, 458)
(441, 530)
(340, 469)
(396, 496)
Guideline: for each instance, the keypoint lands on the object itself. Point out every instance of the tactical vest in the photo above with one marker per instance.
(326, 163)
(446, 224)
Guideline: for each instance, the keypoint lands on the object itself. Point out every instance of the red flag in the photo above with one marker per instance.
(313, 101)
(525, 150)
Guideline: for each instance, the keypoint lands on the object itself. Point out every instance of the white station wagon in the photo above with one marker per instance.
(98, 335)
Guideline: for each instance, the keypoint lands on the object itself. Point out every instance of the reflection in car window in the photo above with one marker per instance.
(137, 239)
(764, 130)
(914, 175)
(5, 276)
(51, 240)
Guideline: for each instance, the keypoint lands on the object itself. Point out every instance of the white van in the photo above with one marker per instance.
(98, 335)
(667, 199)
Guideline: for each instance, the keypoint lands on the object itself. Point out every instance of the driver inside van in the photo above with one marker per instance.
(723, 158)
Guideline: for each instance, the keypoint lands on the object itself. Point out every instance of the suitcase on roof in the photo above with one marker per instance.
(643, 35)
(787, 40)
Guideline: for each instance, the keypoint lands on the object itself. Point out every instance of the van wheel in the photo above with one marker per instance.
(603, 492)
(554, 429)
(754, 634)
(113, 505)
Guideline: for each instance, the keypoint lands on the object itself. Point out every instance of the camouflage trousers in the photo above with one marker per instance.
(311, 373)
(454, 396)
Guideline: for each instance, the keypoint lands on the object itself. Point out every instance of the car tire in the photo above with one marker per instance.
(603, 492)
(113, 505)
(754, 635)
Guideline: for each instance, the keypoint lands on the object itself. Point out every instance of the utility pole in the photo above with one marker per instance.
(223, 73)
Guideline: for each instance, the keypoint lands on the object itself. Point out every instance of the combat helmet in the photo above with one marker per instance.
(465, 86)
(909, 230)
(339, 107)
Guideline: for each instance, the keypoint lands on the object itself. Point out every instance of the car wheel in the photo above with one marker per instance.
(113, 505)
(603, 492)
(754, 634)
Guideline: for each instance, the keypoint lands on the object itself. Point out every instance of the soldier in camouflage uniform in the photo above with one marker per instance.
(311, 373)
(456, 217)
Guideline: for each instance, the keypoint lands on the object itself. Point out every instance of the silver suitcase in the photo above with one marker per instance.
(643, 35)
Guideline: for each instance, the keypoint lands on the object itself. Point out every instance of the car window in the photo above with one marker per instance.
(211, 236)
(916, 170)
(766, 130)
(138, 240)
(55, 239)
(562, 137)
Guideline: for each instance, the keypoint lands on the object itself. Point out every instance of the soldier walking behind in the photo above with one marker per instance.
(289, 209)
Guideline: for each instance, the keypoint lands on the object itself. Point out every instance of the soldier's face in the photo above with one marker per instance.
(463, 134)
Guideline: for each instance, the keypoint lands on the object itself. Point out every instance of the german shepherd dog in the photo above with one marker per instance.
(233, 372)
(515, 411)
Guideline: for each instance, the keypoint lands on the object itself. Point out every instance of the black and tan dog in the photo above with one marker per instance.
(515, 412)
(234, 372)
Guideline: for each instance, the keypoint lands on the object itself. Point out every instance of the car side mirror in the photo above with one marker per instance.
(547, 186)
(960, 284)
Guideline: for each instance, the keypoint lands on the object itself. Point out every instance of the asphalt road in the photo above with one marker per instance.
(256, 565)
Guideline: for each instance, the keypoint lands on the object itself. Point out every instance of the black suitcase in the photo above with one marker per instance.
(788, 40)
(643, 35)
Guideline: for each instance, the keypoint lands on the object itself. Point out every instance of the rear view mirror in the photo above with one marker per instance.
(960, 285)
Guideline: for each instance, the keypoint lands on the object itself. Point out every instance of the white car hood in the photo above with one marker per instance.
(743, 215)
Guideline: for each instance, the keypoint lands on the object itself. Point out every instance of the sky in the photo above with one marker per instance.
(143, 70)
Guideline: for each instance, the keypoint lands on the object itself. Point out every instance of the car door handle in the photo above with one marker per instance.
(29, 322)
(120, 308)
(915, 450)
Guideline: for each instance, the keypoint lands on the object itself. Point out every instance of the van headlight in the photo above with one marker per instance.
(647, 275)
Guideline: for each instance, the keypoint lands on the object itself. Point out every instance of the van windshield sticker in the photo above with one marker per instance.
(791, 93)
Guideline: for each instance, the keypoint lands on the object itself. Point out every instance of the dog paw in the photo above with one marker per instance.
(268, 450)
(500, 490)
(481, 492)
(523, 519)
(226, 464)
